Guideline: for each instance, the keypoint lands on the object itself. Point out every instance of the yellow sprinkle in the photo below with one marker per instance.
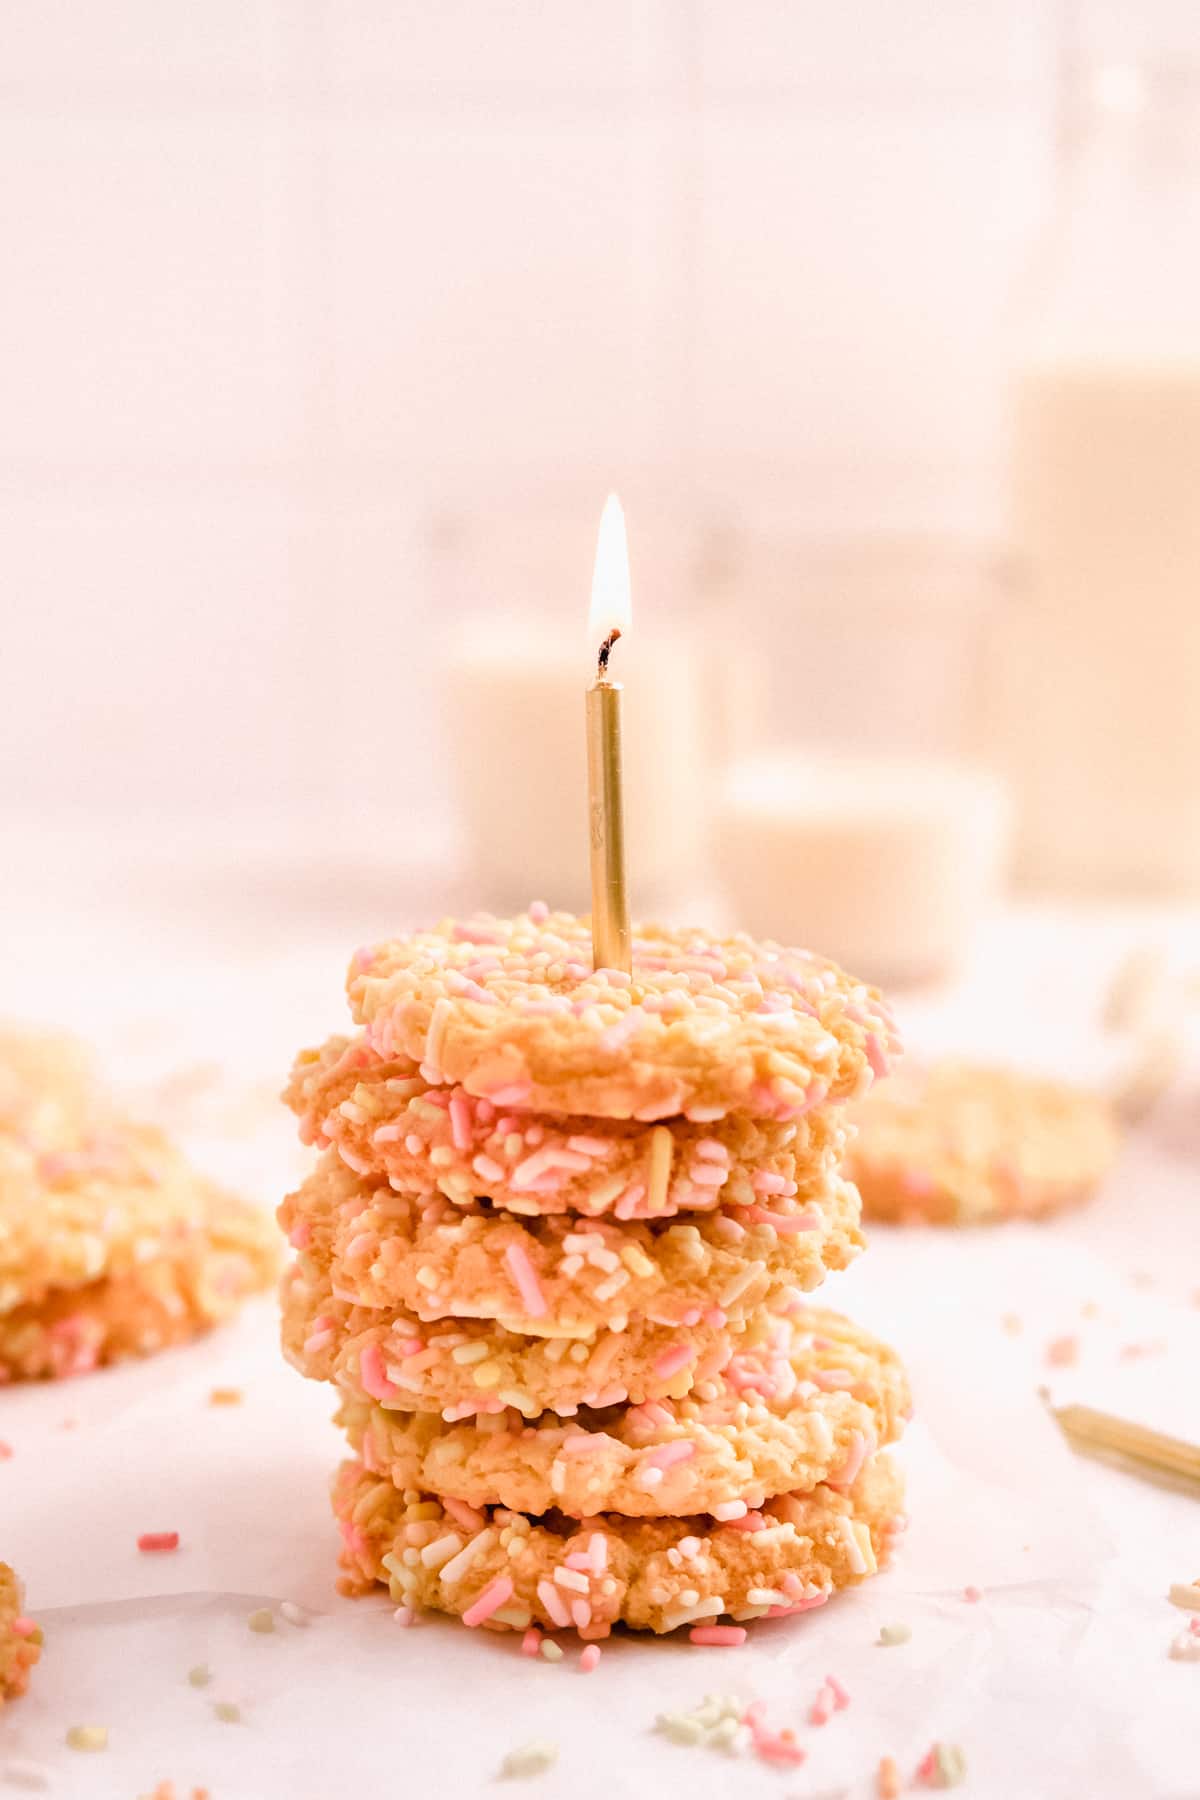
(660, 1169)
(200, 1676)
(488, 1375)
(227, 1712)
(225, 1397)
(88, 1737)
(529, 1759)
(262, 1620)
(636, 1261)
(551, 1651)
(468, 1353)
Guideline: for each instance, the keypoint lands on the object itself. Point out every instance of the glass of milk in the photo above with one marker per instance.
(1100, 723)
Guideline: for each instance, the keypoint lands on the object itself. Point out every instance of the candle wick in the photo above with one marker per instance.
(606, 652)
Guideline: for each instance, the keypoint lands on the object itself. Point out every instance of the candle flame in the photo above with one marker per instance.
(611, 610)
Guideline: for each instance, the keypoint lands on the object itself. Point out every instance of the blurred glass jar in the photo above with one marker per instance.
(865, 821)
(1100, 726)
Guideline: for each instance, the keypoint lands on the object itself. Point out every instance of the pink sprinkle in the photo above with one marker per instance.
(753, 1521)
(23, 1626)
(553, 1602)
(671, 1361)
(973, 1594)
(462, 1514)
(669, 1454)
(6, 1451)
(539, 912)
(581, 1613)
(515, 1093)
(527, 1284)
(822, 1707)
(727, 1636)
(808, 1219)
(414, 1144)
(1062, 1352)
(875, 1056)
(598, 1552)
(706, 1174)
(841, 1698)
(460, 1122)
(588, 1146)
(300, 1236)
(158, 1540)
(531, 1641)
(497, 1594)
(411, 1346)
(373, 1373)
(766, 1183)
(488, 1168)
(730, 1510)
(856, 1455)
(589, 1658)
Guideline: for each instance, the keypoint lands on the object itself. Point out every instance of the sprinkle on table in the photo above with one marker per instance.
(972, 1593)
(225, 1396)
(887, 1779)
(199, 1675)
(295, 1615)
(550, 1651)
(898, 1633)
(1185, 1594)
(227, 1712)
(1063, 1352)
(942, 1766)
(87, 1737)
(589, 1657)
(529, 1759)
(6, 1450)
(158, 1540)
(262, 1619)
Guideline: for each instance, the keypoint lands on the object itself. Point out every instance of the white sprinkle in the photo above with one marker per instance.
(529, 1759)
(295, 1615)
(458, 1565)
(895, 1634)
(571, 1578)
(441, 1550)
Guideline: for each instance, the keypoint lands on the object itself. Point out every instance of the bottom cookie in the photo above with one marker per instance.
(20, 1638)
(507, 1570)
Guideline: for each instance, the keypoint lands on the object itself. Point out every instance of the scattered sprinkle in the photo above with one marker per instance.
(589, 1657)
(1012, 1324)
(531, 1641)
(405, 1615)
(87, 1737)
(529, 1759)
(895, 1634)
(261, 1619)
(1185, 1594)
(6, 1451)
(227, 1712)
(225, 1396)
(887, 1780)
(1063, 1352)
(200, 1676)
(158, 1540)
(973, 1594)
(726, 1636)
(295, 1615)
(718, 1723)
(942, 1766)
(550, 1651)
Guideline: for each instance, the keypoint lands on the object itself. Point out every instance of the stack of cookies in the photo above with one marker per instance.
(555, 1258)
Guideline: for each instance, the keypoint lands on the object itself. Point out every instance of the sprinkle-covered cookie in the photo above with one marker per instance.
(111, 1246)
(461, 1367)
(558, 1275)
(384, 1118)
(503, 1569)
(811, 1405)
(20, 1638)
(962, 1144)
(512, 1010)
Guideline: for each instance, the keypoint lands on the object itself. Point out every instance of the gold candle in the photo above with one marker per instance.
(611, 937)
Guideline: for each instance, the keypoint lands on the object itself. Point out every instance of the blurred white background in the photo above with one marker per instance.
(293, 290)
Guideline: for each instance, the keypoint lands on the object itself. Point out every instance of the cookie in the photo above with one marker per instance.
(20, 1638)
(384, 1118)
(555, 1274)
(808, 1407)
(506, 1570)
(511, 1010)
(114, 1246)
(461, 1367)
(962, 1144)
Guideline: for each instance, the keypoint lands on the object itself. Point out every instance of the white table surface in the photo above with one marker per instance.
(1056, 1684)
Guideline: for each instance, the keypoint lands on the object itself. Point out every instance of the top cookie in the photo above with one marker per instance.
(513, 1010)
